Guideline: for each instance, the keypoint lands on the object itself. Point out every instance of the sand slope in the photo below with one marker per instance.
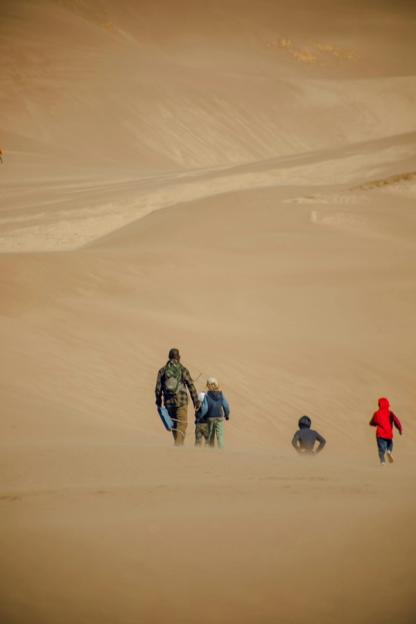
(237, 180)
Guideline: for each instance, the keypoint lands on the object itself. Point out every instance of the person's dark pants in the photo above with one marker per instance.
(179, 416)
(384, 445)
(201, 434)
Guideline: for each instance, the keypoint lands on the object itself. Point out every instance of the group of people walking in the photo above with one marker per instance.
(211, 407)
(212, 410)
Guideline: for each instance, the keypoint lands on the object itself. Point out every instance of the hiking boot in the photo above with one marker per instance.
(390, 457)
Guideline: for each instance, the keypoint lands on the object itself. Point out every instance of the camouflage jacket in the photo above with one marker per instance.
(180, 398)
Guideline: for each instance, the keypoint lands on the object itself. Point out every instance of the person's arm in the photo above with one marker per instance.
(158, 388)
(226, 408)
(373, 421)
(296, 441)
(321, 441)
(187, 379)
(203, 410)
(396, 423)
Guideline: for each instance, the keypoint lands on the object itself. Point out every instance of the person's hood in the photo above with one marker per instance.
(304, 422)
(215, 395)
(383, 403)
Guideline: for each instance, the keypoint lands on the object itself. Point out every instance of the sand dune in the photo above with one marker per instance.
(236, 179)
(138, 84)
(86, 209)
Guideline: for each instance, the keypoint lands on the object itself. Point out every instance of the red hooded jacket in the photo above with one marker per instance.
(384, 420)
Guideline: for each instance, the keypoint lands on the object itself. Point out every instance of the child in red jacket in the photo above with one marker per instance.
(384, 420)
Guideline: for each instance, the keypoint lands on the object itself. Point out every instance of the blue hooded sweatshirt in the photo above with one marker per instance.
(214, 405)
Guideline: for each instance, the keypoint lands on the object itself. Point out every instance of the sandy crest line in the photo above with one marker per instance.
(64, 230)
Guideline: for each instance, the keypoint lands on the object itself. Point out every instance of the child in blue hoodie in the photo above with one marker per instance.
(214, 410)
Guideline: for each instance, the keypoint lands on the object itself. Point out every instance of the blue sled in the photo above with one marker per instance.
(165, 418)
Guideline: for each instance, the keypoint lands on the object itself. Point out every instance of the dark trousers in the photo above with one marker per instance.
(201, 434)
(383, 445)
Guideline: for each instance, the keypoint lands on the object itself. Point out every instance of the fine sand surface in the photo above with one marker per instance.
(236, 179)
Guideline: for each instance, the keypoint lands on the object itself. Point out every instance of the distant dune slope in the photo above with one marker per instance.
(137, 83)
(77, 207)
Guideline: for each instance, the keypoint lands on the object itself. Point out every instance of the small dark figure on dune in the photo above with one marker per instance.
(304, 439)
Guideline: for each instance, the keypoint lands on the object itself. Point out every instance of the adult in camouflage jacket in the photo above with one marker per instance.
(172, 386)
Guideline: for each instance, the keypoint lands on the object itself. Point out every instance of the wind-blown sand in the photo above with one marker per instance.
(236, 179)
